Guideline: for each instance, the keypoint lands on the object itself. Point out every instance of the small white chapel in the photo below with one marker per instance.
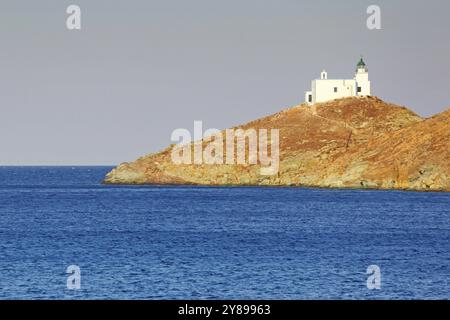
(325, 89)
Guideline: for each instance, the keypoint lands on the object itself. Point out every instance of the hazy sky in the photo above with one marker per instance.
(137, 70)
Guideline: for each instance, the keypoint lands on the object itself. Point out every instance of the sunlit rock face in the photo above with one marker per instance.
(356, 142)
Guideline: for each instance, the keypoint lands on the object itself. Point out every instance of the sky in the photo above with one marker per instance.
(139, 69)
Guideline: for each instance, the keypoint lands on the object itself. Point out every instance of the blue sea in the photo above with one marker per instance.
(188, 242)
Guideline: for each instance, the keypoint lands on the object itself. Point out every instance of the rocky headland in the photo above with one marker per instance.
(357, 142)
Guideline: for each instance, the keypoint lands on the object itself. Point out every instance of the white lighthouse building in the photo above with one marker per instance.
(325, 89)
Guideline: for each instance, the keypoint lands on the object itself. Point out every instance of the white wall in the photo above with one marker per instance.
(323, 90)
(362, 80)
(307, 93)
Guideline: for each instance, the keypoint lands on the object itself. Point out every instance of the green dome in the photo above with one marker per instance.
(361, 63)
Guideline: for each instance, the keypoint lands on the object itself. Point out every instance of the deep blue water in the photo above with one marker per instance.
(159, 242)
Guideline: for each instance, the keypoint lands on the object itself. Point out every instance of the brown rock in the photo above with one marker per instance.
(350, 142)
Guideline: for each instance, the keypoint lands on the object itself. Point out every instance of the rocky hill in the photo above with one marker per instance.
(345, 143)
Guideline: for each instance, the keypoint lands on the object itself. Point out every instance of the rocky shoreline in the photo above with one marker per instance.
(359, 143)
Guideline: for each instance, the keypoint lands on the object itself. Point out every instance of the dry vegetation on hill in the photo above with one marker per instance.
(345, 143)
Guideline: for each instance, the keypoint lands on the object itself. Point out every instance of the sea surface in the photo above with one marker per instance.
(185, 242)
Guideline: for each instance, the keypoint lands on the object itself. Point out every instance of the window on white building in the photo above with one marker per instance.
(335, 89)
